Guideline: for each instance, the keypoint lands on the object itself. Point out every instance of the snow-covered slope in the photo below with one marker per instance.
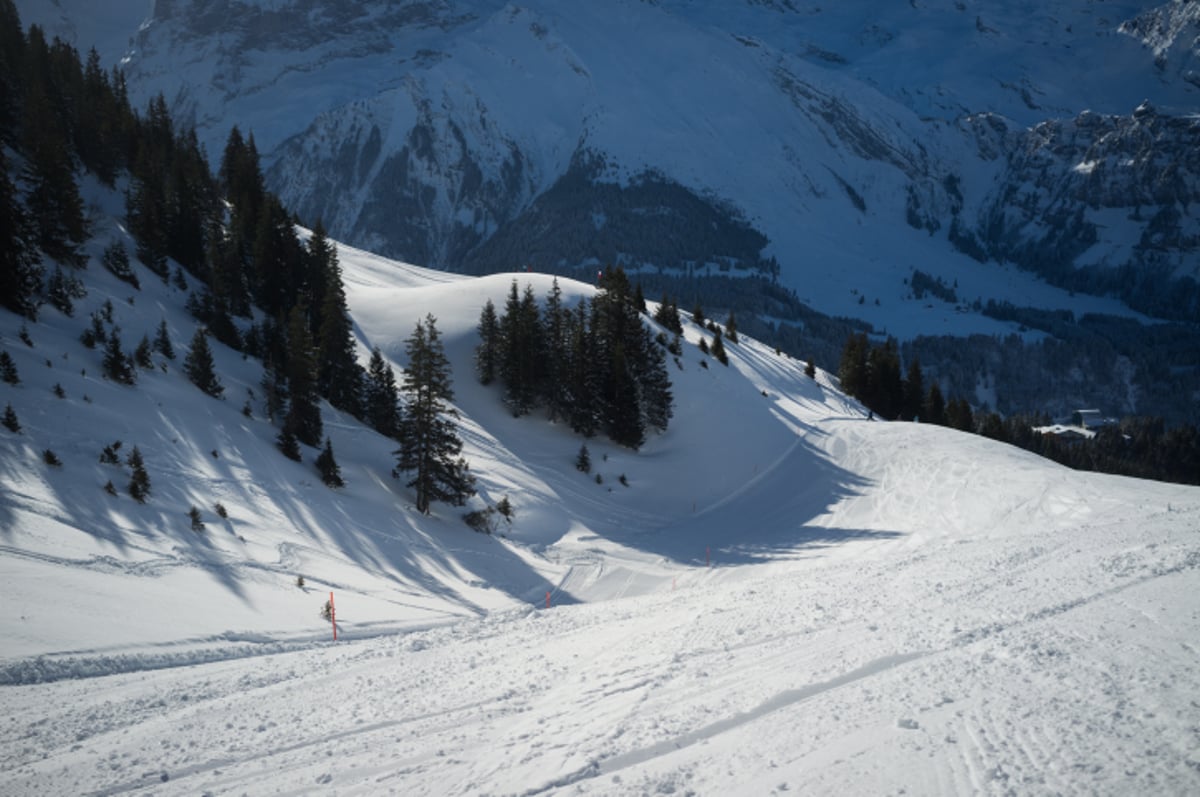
(785, 597)
(839, 143)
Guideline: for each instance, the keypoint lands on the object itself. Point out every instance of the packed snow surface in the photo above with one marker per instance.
(787, 596)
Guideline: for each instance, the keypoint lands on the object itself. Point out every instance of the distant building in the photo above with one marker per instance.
(1083, 426)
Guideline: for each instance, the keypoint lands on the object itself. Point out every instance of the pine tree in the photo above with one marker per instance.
(10, 420)
(731, 328)
(718, 349)
(8, 369)
(198, 365)
(429, 444)
(810, 370)
(58, 292)
(581, 374)
(914, 392)
(656, 398)
(20, 272)
(487, 353)
(287, 443)
(959, 415)
(304, 412)
(53, 201)
(667, 314)
(934, 408)
(331, 474)
(852, 370)
(143, 354)
(162, 341)
(339, 376)
(382, 396)
(116, 260)
(139, 482)
(583, 461)
(196, 520)
(557, 346)
(523, 358)
(117, 365)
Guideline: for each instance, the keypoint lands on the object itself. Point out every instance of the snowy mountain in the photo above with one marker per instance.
(839, 147)
(776, 594)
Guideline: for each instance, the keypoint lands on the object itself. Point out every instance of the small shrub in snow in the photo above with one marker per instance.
(300, 582)
(506, 510)
(327, 611)
(481, 520)
(58, 390)
(219, 508)
(24, 336)
(51, 459)
(109, 455)
(197, 521)
(624, 481)
(810, 370)
(599, 479)
(583, 462)
(109, 488)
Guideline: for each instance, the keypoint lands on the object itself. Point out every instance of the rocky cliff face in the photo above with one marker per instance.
(1098, 204)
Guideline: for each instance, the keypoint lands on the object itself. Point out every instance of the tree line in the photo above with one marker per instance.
(595, 366)
(1136, 446)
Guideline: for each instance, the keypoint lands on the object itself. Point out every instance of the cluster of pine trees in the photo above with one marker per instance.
(595, 366)
(872, 374)
(260, 288)
(1141, 447)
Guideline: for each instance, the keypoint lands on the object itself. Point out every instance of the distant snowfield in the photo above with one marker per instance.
(786, 597)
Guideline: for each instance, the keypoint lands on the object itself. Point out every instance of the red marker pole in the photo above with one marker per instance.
(333, 616)
(547, 599)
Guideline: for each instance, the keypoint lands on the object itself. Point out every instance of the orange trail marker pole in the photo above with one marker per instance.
(333, 616)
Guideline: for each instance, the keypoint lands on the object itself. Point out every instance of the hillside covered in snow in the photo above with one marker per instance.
(783, 595)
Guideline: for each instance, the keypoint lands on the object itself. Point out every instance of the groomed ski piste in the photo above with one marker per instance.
(786, 597)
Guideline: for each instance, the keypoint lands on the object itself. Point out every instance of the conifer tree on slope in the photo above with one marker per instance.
(487, 353)
(339, 376)
(304, 413)
(117, 366)
(20, 272)
(429, 444)
(198, 365)
(382, 398)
